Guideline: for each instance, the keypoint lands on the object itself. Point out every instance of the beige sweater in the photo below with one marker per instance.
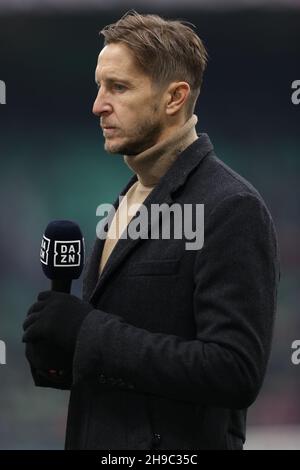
(149, 167)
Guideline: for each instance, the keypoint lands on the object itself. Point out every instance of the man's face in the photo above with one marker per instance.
(130, 109)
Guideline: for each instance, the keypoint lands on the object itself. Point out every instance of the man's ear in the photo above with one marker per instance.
(177, 94)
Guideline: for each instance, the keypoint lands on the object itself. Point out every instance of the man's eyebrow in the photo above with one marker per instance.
(115, 79)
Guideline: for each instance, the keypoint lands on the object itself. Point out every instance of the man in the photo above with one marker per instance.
(169, 346)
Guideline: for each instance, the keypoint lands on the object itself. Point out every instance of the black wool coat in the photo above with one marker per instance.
(177, 345)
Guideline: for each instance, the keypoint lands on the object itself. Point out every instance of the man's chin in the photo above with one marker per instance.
(114, 147)
(111, 147)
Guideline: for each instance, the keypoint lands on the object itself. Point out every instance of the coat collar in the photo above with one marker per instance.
(175, 177)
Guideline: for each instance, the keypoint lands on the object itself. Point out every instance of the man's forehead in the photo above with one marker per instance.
(112, 73)
(116, 62)
(119, 57)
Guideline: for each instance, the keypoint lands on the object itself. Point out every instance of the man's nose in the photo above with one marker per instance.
(101, 105)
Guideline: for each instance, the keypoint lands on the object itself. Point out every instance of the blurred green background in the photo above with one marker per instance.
(53, 166)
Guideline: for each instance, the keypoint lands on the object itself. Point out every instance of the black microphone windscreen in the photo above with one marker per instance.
(62, 250)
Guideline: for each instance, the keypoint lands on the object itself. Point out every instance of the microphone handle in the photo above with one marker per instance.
(60, 285)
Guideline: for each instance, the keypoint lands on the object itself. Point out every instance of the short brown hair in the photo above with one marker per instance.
(166, 50)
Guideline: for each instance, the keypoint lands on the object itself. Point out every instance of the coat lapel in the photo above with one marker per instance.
(175, 177)
(91, 270)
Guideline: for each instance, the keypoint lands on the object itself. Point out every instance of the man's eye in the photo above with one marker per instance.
(119, 87)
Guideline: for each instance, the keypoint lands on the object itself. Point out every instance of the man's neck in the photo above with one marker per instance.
(151, 164)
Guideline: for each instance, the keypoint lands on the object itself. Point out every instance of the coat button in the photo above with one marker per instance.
(156, 440)
(102, 379)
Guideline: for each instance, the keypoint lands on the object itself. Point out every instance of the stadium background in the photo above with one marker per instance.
(53, 166)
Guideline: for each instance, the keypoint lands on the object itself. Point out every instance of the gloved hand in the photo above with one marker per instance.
(43, 357)
(52, 326)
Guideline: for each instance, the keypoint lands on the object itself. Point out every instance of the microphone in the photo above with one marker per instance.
(62, 254)
(62, 258)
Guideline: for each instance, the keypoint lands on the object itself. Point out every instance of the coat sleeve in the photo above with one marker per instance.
(235, 279)
(49, 377)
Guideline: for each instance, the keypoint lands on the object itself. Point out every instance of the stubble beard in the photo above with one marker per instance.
(146, 135)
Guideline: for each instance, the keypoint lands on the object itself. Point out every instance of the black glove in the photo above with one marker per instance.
(43, 357)
(52, 326)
